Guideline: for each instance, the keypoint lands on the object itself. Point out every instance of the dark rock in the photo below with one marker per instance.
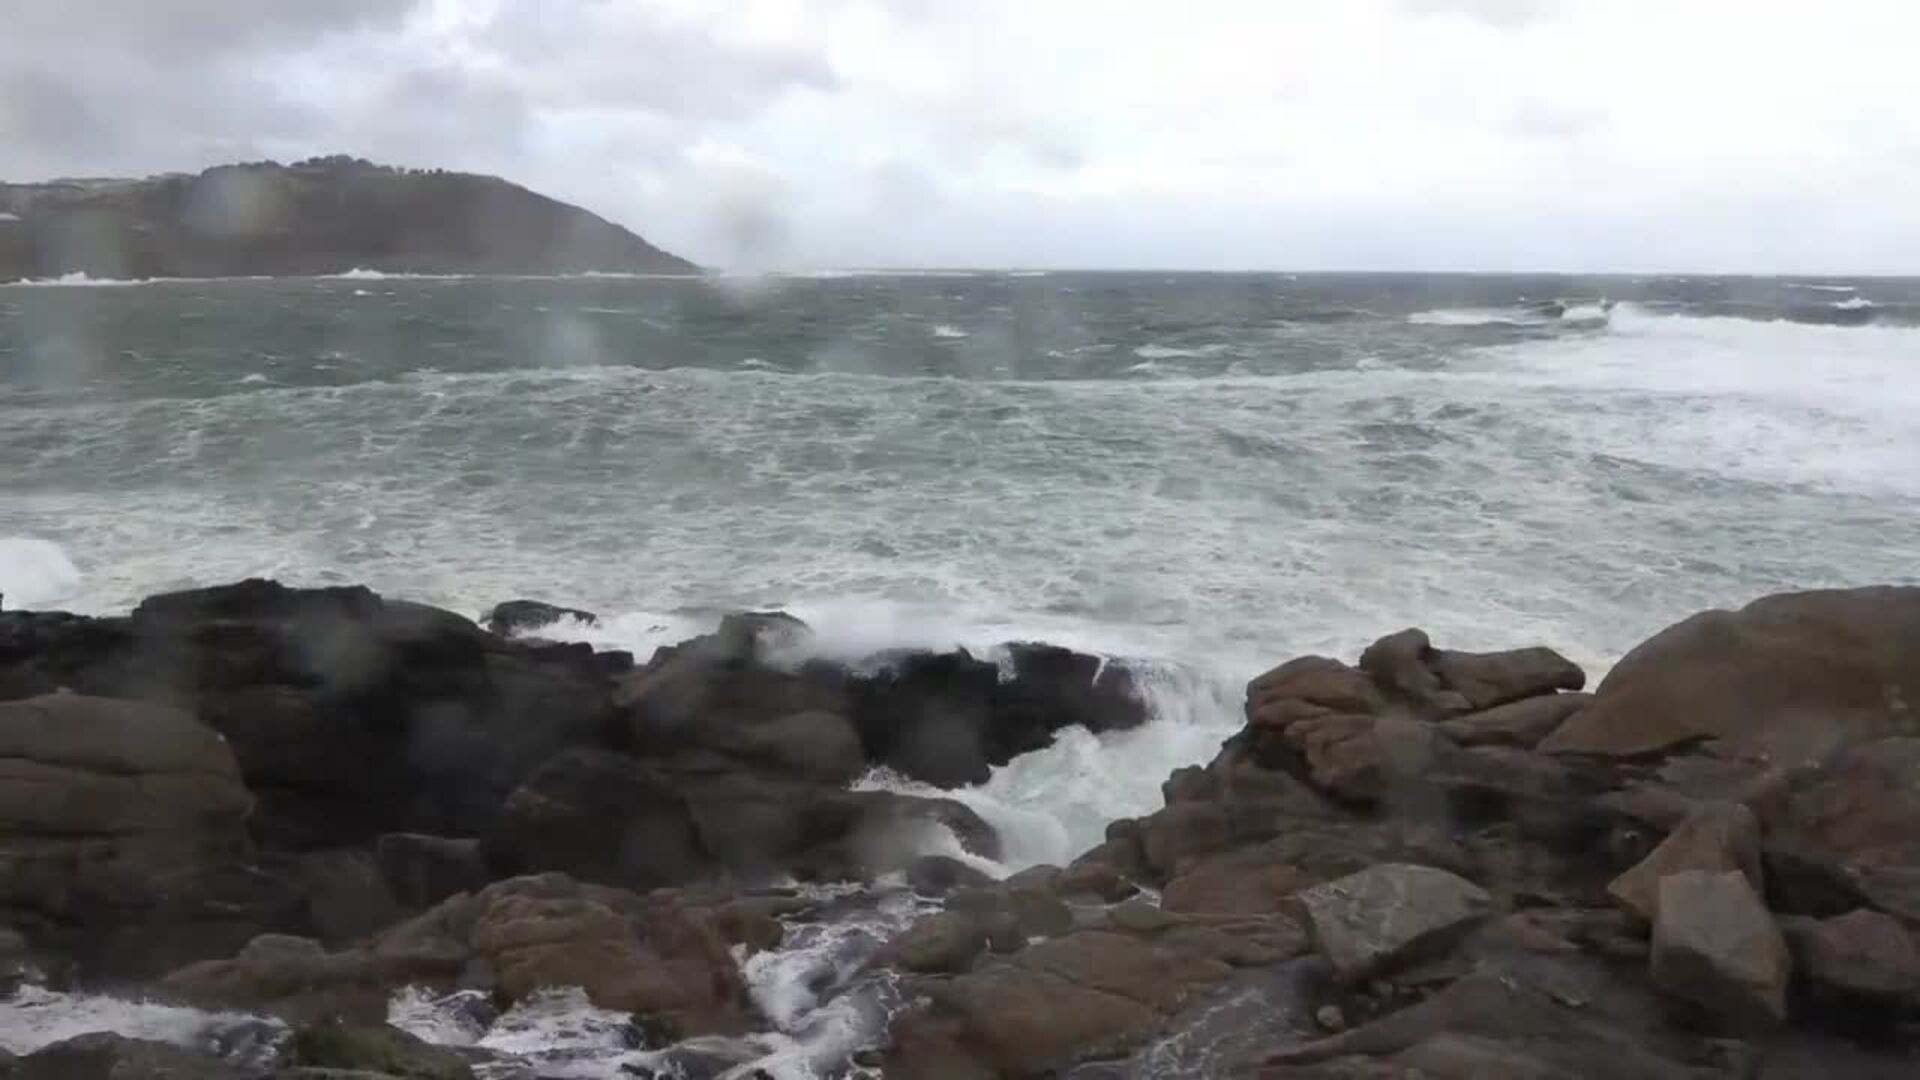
(1717, 837)
(380, 1049)
(1715, 944)
(755, 633)
(105, 1056)
(274, 948)
(521, 616)
(603, 817)
(347, 897)
(17, 963)
(422, 870)
(1795, 675)
(948, 718)
(1387, 914)
(350, 715)
(711, 695)
(937, 875)
(818, 746)
(615, 819)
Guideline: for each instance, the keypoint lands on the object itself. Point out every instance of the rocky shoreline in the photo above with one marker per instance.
(1428, 863)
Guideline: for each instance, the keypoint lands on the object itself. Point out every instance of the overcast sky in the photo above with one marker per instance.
(1723, 135)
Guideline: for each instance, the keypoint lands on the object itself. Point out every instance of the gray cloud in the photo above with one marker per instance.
(190, 28)
(1384, 133)
(128, 86)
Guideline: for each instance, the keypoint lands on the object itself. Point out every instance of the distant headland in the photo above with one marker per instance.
(321, 216)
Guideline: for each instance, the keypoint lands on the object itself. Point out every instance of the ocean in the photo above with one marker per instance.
(1201, 473)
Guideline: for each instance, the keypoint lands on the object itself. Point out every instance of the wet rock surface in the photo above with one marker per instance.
(1493, 875)
(1426, 863)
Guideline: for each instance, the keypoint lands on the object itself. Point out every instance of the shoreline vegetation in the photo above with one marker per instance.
(1424, 863)
(315, 218)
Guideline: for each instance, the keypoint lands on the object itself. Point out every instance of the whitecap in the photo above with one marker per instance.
(1153, 351)
(947, 330)
(80, 278)
(1473, 317)
(1853, 303)
(34, 573)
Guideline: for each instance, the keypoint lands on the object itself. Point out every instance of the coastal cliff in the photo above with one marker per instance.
(323, 216)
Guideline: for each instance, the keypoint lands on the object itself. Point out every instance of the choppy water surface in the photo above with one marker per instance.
(1210, 472)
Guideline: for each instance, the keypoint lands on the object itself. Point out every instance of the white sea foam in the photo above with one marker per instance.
(1475, 317)
(35, 573)
(1174, 352)
(947, 330)
(1586, 313)
(80, 278)
(1853, 303)
(1832, 406)
(1822, 288)
(35, 1017)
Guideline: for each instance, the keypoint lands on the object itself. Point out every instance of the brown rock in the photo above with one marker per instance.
(1239, 940)
(1715, 944)
(947, 943)
(1846, 833)
(1489, 679)
(1260, 878)
(1401, 663)
(656, 956)
(127, 823)
(1095, 878)
(1559, 1012)
(1716, 837)
(1343, 757)
(1317, 681)
(1465, 1057)
(1036, 912)
(1794, 675)
(1521, 723)
(1384, 915)
(1088, 995)
(1862, 953)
